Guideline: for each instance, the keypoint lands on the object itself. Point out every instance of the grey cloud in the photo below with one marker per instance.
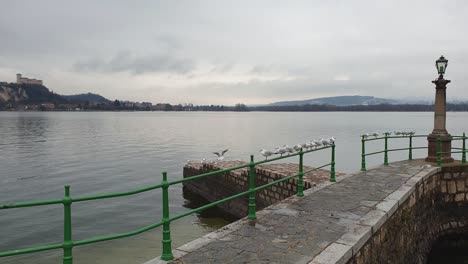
(125, 62)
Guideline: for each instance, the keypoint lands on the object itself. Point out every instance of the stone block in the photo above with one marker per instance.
(356, 237)
(452, 187)
(460, 197)
(334, 254)
(460, 185)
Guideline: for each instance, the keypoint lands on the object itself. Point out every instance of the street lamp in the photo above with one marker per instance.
(440, 132)
(441, 65)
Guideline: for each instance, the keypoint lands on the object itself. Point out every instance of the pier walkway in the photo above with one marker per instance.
(324, 226)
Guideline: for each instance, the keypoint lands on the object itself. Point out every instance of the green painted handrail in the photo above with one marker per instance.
(410, 148)
(68, 243)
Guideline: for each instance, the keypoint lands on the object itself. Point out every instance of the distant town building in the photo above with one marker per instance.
(20, 79)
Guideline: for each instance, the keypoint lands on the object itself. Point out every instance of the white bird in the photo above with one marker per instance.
(281, 151)
(288, 149)
(313, 145)
(325, 142)
(298, 147)
(266, 153)
(388, 133)
(318, 143)
(397, 133)
(375, 134)
(366, 135)
(220, 155)
(412, 133)
(332, 140)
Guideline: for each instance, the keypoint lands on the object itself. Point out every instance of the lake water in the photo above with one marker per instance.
(101, 152)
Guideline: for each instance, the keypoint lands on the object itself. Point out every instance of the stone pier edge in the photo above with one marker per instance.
(228, 229)
(343, 249)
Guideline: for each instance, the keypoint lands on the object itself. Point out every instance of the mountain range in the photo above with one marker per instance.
(349, 100)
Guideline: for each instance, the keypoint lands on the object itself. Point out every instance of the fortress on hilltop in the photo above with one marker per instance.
(20, 79)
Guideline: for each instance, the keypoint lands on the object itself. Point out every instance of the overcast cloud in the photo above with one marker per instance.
(226, 52)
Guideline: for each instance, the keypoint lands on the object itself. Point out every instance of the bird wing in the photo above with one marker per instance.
(224, 151)
(217, 154)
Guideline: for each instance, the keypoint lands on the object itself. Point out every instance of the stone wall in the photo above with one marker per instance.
(435, 206)
(217, 187)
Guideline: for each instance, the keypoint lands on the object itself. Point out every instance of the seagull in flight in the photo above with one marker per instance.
(220, 155)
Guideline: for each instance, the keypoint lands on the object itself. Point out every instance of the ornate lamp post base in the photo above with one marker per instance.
(445, 146)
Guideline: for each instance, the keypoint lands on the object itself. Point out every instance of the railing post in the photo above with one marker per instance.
(252, 215)
(410, 154)
(166, 241)
(439, 160)
(386, 150)
(300, 182)
(464, 149)
(363, 154)
(67, 228)
(332, 169)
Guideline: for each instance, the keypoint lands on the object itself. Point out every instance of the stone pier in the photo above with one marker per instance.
(217, 187)
(389, 214)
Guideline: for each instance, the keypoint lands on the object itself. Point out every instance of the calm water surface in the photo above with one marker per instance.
(101, 152)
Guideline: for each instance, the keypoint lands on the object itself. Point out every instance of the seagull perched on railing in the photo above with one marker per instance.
(288, 149)
(318, 143)
(266, 153)
(220, 155)
(332, 140)
(375, 134)
(281, 151)
(397, 133)
(366, 135)
(298, 147)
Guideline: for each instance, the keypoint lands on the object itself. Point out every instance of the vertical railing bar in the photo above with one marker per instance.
(410, 154)
(67, 228)
(363, 154)
(439, 160)
(252, 214)
(332, 169)
(300, 182)
(386, 150)
(464, 149)
(166, 240)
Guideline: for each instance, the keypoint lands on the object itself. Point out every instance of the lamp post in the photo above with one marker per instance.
(440, 118)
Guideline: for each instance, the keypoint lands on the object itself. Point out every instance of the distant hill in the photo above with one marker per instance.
(87, 97)
(28, 94)
(339, 101)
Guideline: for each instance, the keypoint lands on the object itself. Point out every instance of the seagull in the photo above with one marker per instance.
(366, 135)
(388, 133)
(412, 133)
(318, 143)
(375, 134)
(281, 151)
(288, 149)
(298, 147)
(220, 156)
(397, 133)
(266, 153)
(332, 140)
(325, 142)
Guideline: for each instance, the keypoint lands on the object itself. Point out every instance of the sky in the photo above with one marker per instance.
(228, 52)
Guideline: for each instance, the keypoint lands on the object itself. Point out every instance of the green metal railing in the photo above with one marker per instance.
(410, 148)
(461, 150)
(68, 243)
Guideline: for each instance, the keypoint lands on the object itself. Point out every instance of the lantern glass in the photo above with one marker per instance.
(441, 65)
